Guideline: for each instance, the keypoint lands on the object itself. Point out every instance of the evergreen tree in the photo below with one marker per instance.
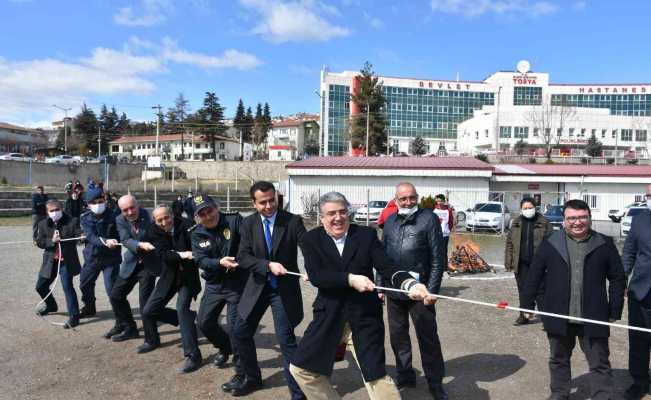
(418, 147)
(594, 147)
(123, 124)
(520, 147)
(86, 130)
(239, 122)
(266, 116)
(370, 101)
(176, 117)
(210, 119)
(259, 133)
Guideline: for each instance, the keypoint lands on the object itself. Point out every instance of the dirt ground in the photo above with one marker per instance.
(486, 357)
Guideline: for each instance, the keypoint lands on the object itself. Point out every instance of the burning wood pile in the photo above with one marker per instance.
(465, 258)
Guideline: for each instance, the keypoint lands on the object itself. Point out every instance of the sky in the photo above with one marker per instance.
(140, 53)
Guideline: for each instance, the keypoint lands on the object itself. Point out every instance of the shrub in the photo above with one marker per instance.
(532, 160)
(427, 202)
(633, 161)
(550, 162)
(3, 181)
(482, 157)
(610, 160)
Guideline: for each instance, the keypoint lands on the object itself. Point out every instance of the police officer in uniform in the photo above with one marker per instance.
(215, 243)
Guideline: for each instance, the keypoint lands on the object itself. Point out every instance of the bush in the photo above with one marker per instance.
(633, 161)
(3, 181)
(532, 160)
(610, 160)
(550, 162)
(482, 157)
(427, 202)
(584, 160)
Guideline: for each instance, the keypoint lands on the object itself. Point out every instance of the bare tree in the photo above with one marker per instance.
(550, 120)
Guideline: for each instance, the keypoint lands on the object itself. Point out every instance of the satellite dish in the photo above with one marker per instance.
(523, 67)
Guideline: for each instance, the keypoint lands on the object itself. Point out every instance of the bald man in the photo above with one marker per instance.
(132, 224)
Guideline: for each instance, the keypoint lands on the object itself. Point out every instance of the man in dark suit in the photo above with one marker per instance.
(268, 249)
(62, 260)
(132, 224)
(575, 264)
(339, 259)
(39, 198)
(171, 260)
(215, 242)
(637, 265)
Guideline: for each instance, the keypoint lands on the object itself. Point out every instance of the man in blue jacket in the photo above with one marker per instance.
(637, 265)
(102, 252)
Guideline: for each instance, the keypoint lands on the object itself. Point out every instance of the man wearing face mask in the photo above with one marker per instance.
(62, 260)
(101, 253)
(527, 232)
(413, 242)
(75, 205)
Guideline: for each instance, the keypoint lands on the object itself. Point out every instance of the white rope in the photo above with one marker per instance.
(30, 241)
(505, 306)
(104, 242)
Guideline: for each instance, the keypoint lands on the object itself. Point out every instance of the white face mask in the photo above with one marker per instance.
(407, 211)
(97, 208)
(55, 215)
(529, 213)
(74, 196)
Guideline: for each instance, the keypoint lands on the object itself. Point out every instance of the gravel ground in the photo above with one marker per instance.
(486, 357)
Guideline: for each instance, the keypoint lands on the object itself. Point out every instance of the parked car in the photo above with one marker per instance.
(459, 216)
(493, 215)
(554, 215)
(375, 208)
(15, 157)
(627, 220)
(616, 215)
(62, 159)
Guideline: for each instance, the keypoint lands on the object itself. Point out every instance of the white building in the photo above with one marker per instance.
(195, 147)
(493, 114)
(287, 137)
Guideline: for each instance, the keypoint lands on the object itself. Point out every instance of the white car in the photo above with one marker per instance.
(493, 215)
(617, 215)
(375, 208)
(62, 159)
(15, 157)
(627, 220)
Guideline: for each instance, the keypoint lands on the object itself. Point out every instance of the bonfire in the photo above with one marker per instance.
(465, 258)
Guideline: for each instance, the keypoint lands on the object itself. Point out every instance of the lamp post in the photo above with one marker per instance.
(65, 126)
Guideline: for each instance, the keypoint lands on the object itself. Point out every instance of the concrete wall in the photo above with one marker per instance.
(24, 173)
(233, 170)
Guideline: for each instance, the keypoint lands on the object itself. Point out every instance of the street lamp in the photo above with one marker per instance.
(65, 126)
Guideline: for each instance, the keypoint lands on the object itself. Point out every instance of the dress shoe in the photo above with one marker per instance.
(191, 364)
(402, 385)
(88, 310)
(233, 383)
(522, 320)
(636, 392)
(438, 392)
(147, 347)
(221, 359)
(117, 329)
(72, 322)
(128, 333)
(45, 310)
(247, 387)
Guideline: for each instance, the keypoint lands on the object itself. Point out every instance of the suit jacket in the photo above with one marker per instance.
(337, 303)
(637, 256)
(130, 240)
(253, 257)
(164, 261)
(551, 266)
(68, 227)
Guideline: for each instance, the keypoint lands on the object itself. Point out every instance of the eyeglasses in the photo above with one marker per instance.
(403, 199)
(335, 213)
(581, 218)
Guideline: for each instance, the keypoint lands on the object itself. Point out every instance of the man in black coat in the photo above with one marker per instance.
(339, 259)
(171, 261)
(268, 249)
(637, 265)
(413, 241)
(39, 198)
(215, 242)
(575, 264)
(75, 204)
(62, 260)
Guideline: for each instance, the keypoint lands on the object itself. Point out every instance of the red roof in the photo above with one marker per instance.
(573, 170)
(165, 138)
(286, 123)
(392, 163)
(280, 147)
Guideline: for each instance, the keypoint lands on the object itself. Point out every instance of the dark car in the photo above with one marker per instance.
(555, 216)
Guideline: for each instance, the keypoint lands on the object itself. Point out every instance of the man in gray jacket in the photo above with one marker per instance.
(413, 242)
(637, 265)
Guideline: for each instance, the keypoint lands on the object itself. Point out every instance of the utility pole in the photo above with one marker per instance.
(99, 141)
(368, 123)
(158, 117)
(65, 126)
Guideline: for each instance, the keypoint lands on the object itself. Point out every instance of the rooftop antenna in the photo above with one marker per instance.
(457, 76)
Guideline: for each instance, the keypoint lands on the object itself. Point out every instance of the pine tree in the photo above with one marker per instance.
(123, 124)
(248, 120)
(258, 127)
(594, 147)
(418, 147)
(239, 122)
(370, 101)
(520, 147)
(176, 117)
(86, 130)
(210, 118)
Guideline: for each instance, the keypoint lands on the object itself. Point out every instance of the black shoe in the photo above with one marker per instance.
(116, 330)
(402, 385)
(636, 392)
(88, 310)
(246, 387)
(221, 359)
(72, 322)
(191, 364)
(128, 333)
(522, 320)
(45, 310)
(233, 383)
(438, 392)
(147, 347)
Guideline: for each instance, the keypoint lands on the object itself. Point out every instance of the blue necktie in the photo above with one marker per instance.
(267, 238)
